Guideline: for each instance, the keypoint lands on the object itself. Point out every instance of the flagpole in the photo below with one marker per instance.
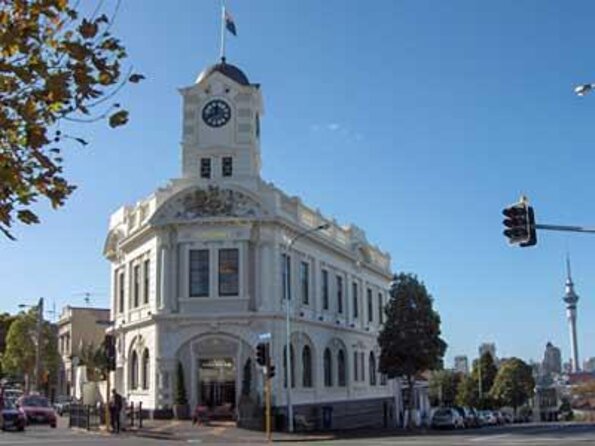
(222, 55)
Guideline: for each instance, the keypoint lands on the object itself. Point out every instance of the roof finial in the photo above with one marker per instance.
(568, 272)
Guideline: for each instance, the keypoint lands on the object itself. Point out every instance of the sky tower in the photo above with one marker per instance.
(571, 299)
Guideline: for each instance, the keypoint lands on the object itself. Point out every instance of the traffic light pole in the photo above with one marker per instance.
(565, 228)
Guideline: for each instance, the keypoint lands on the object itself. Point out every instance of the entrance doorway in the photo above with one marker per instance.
(217, 386)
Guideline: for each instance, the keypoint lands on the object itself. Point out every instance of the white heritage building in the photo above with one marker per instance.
(198, 273)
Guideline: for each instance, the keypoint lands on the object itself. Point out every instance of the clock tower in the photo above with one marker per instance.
(221, 133)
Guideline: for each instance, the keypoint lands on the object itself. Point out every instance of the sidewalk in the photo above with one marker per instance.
(223, 431)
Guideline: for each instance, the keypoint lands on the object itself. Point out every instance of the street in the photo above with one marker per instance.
(534, 434)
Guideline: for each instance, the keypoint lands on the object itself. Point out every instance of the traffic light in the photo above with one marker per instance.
(270, 371)
(109, 345)
(261, 354)
(520, 224)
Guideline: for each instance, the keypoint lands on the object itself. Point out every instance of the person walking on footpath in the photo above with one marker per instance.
(115, 407)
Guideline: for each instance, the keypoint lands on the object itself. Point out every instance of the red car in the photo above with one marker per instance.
(38, 410)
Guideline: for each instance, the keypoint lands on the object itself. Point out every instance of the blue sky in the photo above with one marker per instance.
(416, 120)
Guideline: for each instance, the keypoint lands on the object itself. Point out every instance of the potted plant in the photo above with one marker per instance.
(180, 407)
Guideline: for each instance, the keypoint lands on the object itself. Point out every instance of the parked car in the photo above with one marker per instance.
(12, 416)
(463, 414)
(38, 410)
(62, 404)
(488, 418)
(447, 418)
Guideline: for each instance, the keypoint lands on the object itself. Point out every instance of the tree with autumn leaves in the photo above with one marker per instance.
(55, 67)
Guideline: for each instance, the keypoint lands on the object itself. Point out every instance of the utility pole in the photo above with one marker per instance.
(38, 347)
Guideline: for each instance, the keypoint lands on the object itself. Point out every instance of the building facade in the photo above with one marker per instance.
(77, 326)
(198, 271)
(552, 360)
(461, 364)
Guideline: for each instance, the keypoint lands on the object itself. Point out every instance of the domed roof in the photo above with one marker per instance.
(228, 70)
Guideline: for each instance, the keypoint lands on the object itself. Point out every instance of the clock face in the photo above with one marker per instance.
(216, 113)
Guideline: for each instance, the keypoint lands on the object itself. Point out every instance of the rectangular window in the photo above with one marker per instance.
(355, 301)
(370, 306)
(136, 284)
(229, 272)
(305, 282)
(355, 366)
(205, 167)
(199, 272)
(339, 294)
(286, 276)
(380, 309)
(146, 277)
(324, 289)
(121, 278)
(362, 367)
(226, 166)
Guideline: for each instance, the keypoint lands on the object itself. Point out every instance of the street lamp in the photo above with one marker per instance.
(39, 307)
(582, 90)
(288, 319)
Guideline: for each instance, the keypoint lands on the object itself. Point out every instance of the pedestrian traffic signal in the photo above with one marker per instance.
(261, 354)
(109, 345)
(270, 371)
(520, 224)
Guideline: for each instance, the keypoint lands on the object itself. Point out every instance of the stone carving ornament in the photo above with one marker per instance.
(210, 202)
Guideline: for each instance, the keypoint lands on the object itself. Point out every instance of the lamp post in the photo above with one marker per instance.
(582, 90)
(288, 362)
(39, 326)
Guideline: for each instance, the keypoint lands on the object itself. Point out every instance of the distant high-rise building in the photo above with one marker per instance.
(462, 364)
(589, 365)
(571, 299)
(552, 360)
(488, 347)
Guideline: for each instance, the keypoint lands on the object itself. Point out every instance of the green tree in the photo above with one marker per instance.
(21, 344)
(55, 68)
(180, 397)
(443, 386)
(410, 341)
(514, 383)
(467, 392)
(95, 359)
(486, 368)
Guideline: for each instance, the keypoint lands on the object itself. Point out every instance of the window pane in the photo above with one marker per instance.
(146, 272)
(339, 294)
(136, 285)
(227, 166)
(229, 272)
(370, 307)
(205, 167)
(324, 289)
(341, 368)
(286, 275)
(380, 309)
(199, 273)
(121, 291)
(305, 280)
(355, 301)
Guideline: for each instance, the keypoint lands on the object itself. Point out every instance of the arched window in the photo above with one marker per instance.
(328, 368)
(306, 367)
(372, 369)
(342, 378)
(145, 367)
(134, 370)
(292, 359)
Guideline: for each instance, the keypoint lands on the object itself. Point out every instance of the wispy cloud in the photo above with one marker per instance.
(336, 128)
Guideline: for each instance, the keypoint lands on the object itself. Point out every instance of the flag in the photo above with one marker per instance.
(229, 23)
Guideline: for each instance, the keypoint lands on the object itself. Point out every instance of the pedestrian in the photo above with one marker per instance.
(115, 407)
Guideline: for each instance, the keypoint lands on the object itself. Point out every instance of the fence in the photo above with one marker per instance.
(90, 417)
(85, 416)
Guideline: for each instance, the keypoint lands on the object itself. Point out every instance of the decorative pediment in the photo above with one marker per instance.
(205, 203)
(111, 248)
